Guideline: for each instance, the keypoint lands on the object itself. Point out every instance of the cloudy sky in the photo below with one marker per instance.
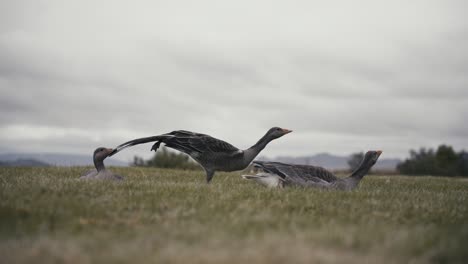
(346, 76)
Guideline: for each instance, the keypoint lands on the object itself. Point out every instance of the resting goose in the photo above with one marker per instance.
(276, 174)
(211, 153)
(100, 172)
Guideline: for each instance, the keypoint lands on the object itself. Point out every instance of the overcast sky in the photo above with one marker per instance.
(346, 76)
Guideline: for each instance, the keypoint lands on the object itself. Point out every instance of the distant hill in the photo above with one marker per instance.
(331, 161)
(23, 163)
(54, 159)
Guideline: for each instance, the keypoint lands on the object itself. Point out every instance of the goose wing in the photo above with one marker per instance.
(183, 140)
(195, 142)
(297, 173)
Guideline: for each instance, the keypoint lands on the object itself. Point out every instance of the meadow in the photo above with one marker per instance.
(173, 216)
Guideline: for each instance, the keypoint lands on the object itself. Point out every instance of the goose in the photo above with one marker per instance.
(100, 172)
(276, 174)
(211, 153)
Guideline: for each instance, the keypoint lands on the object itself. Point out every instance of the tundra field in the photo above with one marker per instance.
(47, 215)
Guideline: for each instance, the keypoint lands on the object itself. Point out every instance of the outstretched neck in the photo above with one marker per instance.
(362, 170)
(252, 152)
(99, 164)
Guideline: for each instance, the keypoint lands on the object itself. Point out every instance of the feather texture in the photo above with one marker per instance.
(211, 153)
(312, 176)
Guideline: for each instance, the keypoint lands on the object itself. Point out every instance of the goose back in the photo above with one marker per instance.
(296, 173)
(312, 176)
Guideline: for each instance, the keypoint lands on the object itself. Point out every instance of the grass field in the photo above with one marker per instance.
(172, 216)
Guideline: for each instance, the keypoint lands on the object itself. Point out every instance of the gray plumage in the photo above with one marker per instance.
(100, 173)
(276, 174)
(211, 153)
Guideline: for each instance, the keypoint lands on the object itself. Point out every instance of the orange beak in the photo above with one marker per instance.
(286, 131)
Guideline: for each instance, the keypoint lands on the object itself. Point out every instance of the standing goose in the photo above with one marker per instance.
(276, 174)
(211, 153)
(100, 172)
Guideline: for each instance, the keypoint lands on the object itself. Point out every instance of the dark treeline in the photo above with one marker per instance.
(442, 162)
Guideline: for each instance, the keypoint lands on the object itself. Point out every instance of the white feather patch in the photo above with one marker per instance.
(266, 179)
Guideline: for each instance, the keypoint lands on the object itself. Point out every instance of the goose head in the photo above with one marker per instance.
(100, 154)
(277, 132)
(372, 156)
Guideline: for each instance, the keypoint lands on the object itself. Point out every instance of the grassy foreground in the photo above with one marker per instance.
(172, 216)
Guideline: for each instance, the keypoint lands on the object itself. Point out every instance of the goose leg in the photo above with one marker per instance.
(209, 175)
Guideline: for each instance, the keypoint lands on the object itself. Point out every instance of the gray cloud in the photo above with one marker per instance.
(345, 77)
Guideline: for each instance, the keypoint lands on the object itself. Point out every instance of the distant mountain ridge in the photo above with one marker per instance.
(325, 160)
(53, 159)
(330, 161)
(23, 163)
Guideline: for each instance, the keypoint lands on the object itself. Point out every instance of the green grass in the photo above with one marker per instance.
(171, 216)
